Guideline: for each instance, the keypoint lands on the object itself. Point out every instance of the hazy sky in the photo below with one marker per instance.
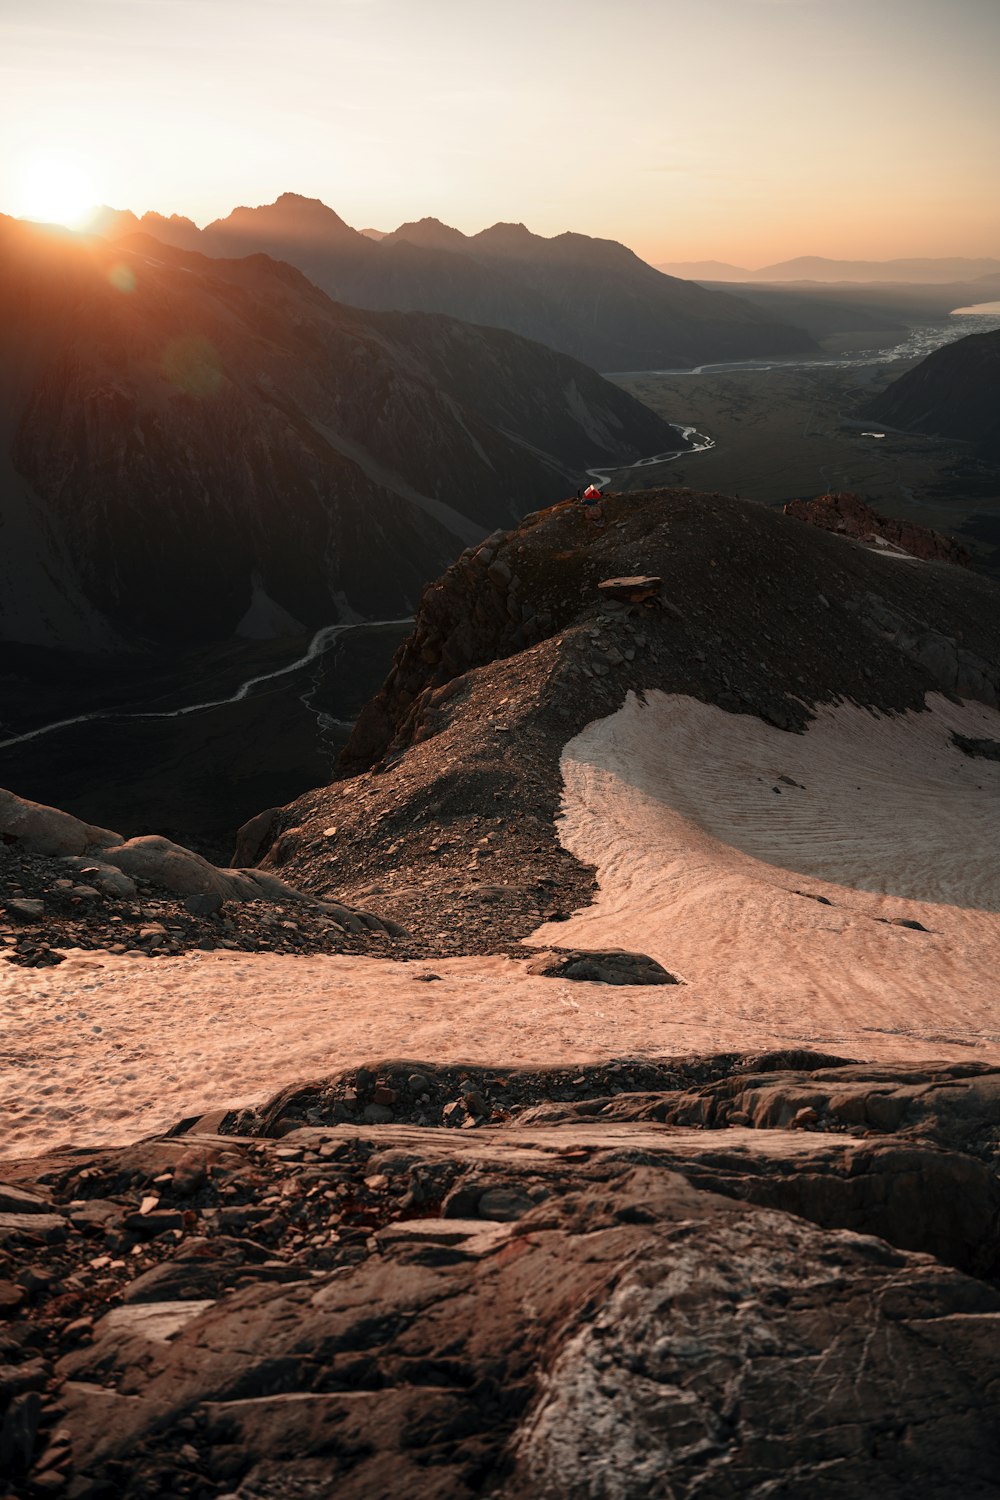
(745, 130)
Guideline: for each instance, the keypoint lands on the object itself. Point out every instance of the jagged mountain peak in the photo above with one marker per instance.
(506, 236)
(291, 216)
(429, 232)
(112, 222)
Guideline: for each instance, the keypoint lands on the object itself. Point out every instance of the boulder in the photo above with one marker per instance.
(46, 830)
(612, 966)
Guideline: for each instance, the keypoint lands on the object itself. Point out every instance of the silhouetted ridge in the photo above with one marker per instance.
(590, 298)
(954, 392)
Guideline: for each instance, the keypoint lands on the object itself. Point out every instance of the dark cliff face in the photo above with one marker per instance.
(590, 298)
(182, 433)
(954, 392)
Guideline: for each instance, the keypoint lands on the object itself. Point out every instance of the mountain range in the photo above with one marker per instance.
(196, 446)
(590, 298)
(922, 270)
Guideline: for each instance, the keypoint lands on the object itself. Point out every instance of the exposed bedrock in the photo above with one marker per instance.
(848, 515)
(575, 1299)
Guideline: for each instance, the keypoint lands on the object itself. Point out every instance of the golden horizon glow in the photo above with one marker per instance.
(746, 131)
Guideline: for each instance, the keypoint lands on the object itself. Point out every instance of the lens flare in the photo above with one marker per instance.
(122, 277)
(192, 364)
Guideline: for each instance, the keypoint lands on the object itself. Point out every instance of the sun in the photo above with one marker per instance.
(55, 190)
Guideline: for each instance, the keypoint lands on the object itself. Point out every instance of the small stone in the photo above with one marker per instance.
(377, 1114)
(805, 1117)
(504, 1204)
(418, 1084)
(52, 1481)
(384, 1095)
(35, 1278)
(203, 904)
(153, 1223)
(26, 909)
(11, 1297)
(19, 1431)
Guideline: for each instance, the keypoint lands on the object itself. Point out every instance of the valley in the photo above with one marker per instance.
(174, 760)
(784, 431)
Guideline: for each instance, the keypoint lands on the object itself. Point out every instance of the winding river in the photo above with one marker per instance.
(320, 643)
(919, 342)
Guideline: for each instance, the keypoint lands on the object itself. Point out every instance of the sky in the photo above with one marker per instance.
(748, 131)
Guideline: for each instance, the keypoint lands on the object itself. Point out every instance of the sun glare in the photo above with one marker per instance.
(55, 191)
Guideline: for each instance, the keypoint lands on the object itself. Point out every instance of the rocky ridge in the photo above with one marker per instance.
(445, 814)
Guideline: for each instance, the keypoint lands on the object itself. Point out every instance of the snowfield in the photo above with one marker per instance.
(713, 835)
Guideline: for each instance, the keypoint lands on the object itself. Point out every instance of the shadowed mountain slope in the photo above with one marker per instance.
(591, 298)
(185, 437)
(954, 392)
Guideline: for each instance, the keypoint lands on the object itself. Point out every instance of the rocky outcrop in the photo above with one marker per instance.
(954, 393)
(567, 1297)
(195, 444)
(78, 871)
(36, 829)
(609, 966)
(848, 515)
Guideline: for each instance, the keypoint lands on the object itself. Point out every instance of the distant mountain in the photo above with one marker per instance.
(189, 442)
(430, 233)
(176, 230)
(954, 268)
(374, 234)
(593, 299)
(954, 392)
(926, 271)
(706, 270)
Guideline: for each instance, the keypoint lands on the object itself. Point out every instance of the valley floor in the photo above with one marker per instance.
(784, 434)
(768, 870)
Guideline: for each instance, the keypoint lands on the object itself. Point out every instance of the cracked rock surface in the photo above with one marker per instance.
(710, 1276)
